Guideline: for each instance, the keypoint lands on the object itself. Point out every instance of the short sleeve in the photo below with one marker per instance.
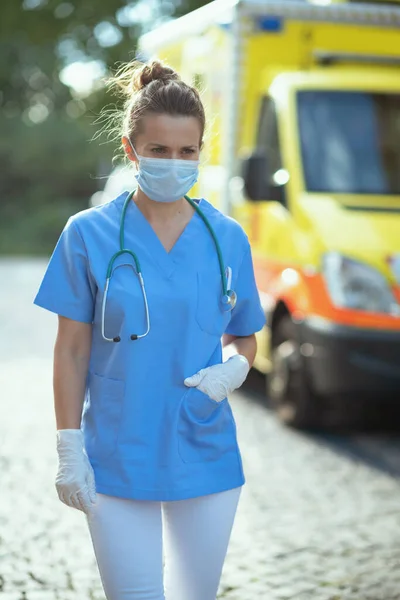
(67, 288)
(248, 315)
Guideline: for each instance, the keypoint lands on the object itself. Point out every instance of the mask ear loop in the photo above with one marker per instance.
(136, 154)
(132, 146)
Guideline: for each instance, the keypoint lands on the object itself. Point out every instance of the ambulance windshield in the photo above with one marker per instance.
(350, 141)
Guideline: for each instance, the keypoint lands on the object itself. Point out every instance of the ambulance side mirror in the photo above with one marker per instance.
(258, 184)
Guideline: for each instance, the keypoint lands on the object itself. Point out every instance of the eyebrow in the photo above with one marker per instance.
(163, 146)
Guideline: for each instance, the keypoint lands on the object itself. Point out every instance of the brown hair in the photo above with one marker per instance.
(154, 88)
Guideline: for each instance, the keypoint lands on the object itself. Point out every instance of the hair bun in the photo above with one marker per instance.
(155, 71)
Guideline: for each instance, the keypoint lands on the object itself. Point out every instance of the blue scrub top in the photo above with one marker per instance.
(147, 435)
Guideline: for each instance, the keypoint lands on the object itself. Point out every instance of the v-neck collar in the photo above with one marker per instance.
(167, 261)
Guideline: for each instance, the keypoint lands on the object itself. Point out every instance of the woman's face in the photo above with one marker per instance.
(166, 136)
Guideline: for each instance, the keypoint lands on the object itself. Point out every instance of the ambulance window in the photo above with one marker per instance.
(350, 141)
(267, 135)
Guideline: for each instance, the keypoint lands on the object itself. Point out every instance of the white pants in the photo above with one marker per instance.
(134, 539)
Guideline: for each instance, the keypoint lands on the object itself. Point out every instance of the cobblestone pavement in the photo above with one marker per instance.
(319, 516)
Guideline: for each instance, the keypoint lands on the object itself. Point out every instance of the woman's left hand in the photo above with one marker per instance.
(218, 381)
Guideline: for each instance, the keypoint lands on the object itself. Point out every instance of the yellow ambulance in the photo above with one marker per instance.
(303, 148)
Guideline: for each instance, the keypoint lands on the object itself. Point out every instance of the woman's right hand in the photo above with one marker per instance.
(75, 482)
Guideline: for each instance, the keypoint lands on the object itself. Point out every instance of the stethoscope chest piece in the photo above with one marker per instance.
(229, 300)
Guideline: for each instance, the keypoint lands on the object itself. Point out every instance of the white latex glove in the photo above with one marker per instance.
(75, 481)
(218, 381)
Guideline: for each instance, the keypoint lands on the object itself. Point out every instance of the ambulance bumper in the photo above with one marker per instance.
(342, 359)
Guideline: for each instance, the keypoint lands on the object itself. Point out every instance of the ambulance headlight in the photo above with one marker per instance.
(353, 284)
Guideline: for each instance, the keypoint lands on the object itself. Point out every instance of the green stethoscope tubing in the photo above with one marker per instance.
(229, 296)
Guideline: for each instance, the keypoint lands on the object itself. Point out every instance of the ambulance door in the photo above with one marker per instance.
(265, 180)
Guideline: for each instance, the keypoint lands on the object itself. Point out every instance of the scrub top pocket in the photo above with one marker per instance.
(101, 415)
(206, 429)
(210, 314)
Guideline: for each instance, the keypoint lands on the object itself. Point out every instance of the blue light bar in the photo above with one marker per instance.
(273, 24)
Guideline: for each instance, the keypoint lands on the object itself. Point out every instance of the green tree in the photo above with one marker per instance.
(39, 37)
(49, 165)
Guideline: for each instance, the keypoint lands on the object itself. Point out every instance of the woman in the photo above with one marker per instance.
(146, 437)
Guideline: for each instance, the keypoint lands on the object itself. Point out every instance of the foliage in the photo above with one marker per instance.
(49, 171)
(49, 165)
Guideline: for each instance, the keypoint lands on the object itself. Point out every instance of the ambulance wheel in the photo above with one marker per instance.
(287, 386)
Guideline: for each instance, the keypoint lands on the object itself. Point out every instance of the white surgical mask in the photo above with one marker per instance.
(166, 179)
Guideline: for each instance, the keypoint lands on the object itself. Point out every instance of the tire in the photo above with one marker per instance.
(287, 385)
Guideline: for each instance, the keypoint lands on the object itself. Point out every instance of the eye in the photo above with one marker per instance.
(189, 151)
(158, 150)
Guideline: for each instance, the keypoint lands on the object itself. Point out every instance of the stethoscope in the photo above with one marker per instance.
(228, 299)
